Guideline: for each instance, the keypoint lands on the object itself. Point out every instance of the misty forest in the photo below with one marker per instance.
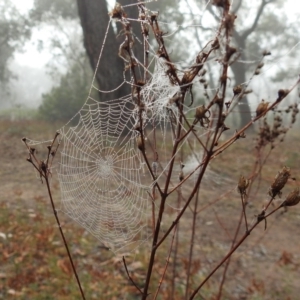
(149, 149)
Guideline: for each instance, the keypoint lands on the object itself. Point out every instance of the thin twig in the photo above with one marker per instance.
(62, 234)
(167, 264)
(244, 210)
(190, 259)
(130, 278)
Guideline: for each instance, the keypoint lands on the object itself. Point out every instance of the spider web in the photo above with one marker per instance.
(100, 174)
(104, 186)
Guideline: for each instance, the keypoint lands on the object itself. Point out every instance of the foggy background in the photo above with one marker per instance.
(38, 59)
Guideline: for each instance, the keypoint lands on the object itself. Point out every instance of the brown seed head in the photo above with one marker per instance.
(181, 176)
(282, 93)
(262, 108)
(293, 198)
(117, 12)
(200, 112)
(243, 185)
(279, 182)
(237, 90)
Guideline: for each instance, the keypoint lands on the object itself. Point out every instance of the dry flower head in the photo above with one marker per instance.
(262, 108)
(243, 185)
(279, 182)
(293, 198)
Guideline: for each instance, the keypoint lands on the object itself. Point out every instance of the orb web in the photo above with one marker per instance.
(101, 173)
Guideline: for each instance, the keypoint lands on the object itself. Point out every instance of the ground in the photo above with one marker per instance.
(34, 265)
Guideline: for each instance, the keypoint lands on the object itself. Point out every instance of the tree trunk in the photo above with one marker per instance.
(239, 70)
(94, 19)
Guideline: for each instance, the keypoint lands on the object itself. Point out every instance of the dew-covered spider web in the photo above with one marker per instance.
(104, 181)
(100, 174)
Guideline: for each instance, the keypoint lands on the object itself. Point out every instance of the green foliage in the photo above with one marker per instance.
(64, 101)
(15, 29)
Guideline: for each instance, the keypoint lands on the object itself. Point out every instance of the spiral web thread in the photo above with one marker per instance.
(100, 174)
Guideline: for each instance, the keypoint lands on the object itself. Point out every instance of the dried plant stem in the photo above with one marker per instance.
(238, 134)
(233, 249)
(167, 264)
(223, 260)
(201, 174)
(130, 278)
(175, 249)
(153, 210)
(229, 259)
(268, 204)
(154, 248)
(243, 199)
(62, 233)
(190, 259)
(164, 196)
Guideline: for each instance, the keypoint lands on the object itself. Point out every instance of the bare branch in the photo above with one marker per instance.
(248, 31)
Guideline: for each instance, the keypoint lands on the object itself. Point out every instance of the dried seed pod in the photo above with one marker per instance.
(262, 108)
(243, 185)
(202, 116)
(181, 176)
(282, 93)
(200, 112)
(266, 52)
(279, 182)
(117, 12)
(237, 90)
(293, 198)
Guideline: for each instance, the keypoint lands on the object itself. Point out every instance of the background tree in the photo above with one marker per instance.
(66, 99)
(15, 29)
(254, 36)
